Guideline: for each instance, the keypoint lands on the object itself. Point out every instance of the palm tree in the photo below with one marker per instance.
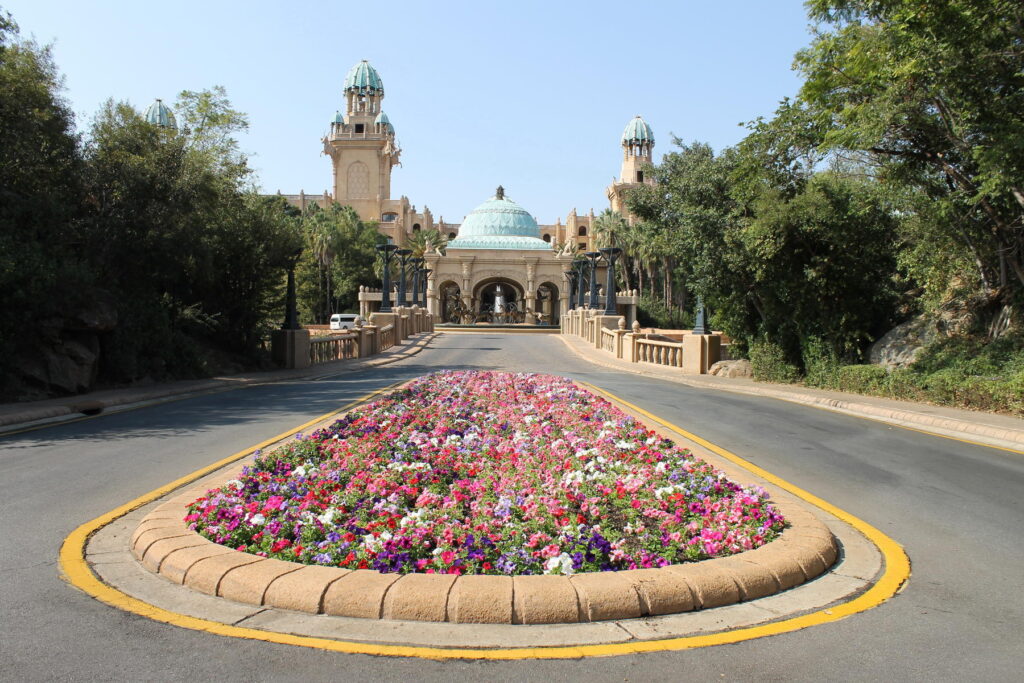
(612, 230)
(427, 242)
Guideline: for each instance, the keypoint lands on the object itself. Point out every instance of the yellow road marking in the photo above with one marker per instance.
(77, 571)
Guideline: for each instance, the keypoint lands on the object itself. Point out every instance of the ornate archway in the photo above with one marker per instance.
(499, 300)
(546, 303)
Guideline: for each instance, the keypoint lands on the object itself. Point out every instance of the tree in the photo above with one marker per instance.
(935, 94)
(427, 242)
(42, 271)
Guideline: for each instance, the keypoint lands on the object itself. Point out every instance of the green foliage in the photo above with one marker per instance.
(41, 269)
(340, 255)
(934, 95)
(769, 364)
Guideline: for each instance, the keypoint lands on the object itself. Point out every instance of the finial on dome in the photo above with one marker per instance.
(500, 194)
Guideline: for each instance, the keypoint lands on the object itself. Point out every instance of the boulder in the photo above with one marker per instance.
(732, 368)
(900, 346)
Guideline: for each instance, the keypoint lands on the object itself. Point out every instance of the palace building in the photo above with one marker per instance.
(499, 256)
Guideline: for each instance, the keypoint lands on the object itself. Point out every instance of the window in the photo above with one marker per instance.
(359, 127)
(583, 246)
(639, 176)
(451, 235)
(415, 227)
(583, 231)
(389, 218)
(547, 238)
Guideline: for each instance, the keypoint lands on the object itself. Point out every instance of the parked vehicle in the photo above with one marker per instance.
(343, 321)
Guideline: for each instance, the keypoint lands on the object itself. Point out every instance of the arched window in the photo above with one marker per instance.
(415, 227)
(389, 218)
(358, 181)
(451, 235)
(547, 238)
(583, 231)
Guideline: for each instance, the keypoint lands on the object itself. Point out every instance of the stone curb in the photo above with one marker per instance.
(82, 405)
(935, 424)
(163, 544)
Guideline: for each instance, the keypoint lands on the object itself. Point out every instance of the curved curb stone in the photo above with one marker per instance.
(164, 545)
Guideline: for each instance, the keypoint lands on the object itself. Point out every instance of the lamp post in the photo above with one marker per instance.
(387, 252)
(291, 313)
(403, 260)
(426, 274)
(571, 274)
(611, 254)
(593, 256)
(701, 326)
(581, 275)
(417, 269)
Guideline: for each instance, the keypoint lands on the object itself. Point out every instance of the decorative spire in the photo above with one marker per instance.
(500, 194)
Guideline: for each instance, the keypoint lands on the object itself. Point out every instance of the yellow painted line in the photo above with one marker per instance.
(897, 569)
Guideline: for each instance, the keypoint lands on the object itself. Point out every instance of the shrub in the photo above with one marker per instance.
(769, 364)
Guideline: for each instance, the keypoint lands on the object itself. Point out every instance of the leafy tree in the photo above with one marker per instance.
(935, 94)
(427, 241)
(41, 268)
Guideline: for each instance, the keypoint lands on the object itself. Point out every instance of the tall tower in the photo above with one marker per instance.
(362, 147)
(637, 152)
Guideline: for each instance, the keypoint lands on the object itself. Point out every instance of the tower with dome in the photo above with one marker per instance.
(499, 252)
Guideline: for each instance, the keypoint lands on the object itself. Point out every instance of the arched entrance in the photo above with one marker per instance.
(499, 301)
(546, 304)
(450, 303)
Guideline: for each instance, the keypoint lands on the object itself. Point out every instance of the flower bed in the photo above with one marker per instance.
(485, 473)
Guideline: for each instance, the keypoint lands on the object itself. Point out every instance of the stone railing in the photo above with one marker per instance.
(691, 353)
(336, 347)
(387, 337)
(659, 352)
(296, 348)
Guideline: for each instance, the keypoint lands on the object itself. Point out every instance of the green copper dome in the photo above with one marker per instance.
(499, 223)
(338, 118)
(364, 79)
(159, 114)
(637, 130)
(382, 119)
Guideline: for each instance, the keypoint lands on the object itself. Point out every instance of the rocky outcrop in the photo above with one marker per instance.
(732, 368)
(67, 359)
(900, 346)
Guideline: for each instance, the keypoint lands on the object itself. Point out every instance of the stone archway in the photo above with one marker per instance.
(547, 303)
(499, 300)
(450, 302)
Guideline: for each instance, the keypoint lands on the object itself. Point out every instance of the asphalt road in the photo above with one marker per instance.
(956, 508)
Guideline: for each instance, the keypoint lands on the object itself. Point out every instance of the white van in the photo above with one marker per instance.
(343, 321)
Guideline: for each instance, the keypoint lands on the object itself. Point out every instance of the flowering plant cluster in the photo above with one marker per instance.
(485, 473)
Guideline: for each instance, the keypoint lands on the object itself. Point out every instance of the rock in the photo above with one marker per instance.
(732, 368)
(900, 346)
(99, 316)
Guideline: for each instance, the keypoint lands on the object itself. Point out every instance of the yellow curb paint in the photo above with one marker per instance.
(897, 570)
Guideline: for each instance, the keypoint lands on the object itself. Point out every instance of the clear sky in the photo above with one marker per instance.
(531, 95)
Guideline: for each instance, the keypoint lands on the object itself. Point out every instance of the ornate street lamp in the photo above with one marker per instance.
(387, 252)
(417, 268)
(291, 313)
(581, 274)
(423, 283)
(611, 254)
(593, 256)
(572, 275)
(403, 260)
(701, 326)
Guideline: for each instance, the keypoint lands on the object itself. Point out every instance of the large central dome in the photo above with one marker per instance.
(499, 223)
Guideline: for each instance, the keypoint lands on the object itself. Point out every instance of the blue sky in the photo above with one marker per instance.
(530, 95)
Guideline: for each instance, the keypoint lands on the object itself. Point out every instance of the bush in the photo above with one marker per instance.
(821, 364)
(769, 364)
(861, 379)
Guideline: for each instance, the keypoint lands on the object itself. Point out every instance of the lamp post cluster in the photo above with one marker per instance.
(410, 271)
(583, 276)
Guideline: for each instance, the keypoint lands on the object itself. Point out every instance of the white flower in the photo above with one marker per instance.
(235, 483)
(562, 563)
(299, 471)
(327, 516)
(258, 519)
(625, 445)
